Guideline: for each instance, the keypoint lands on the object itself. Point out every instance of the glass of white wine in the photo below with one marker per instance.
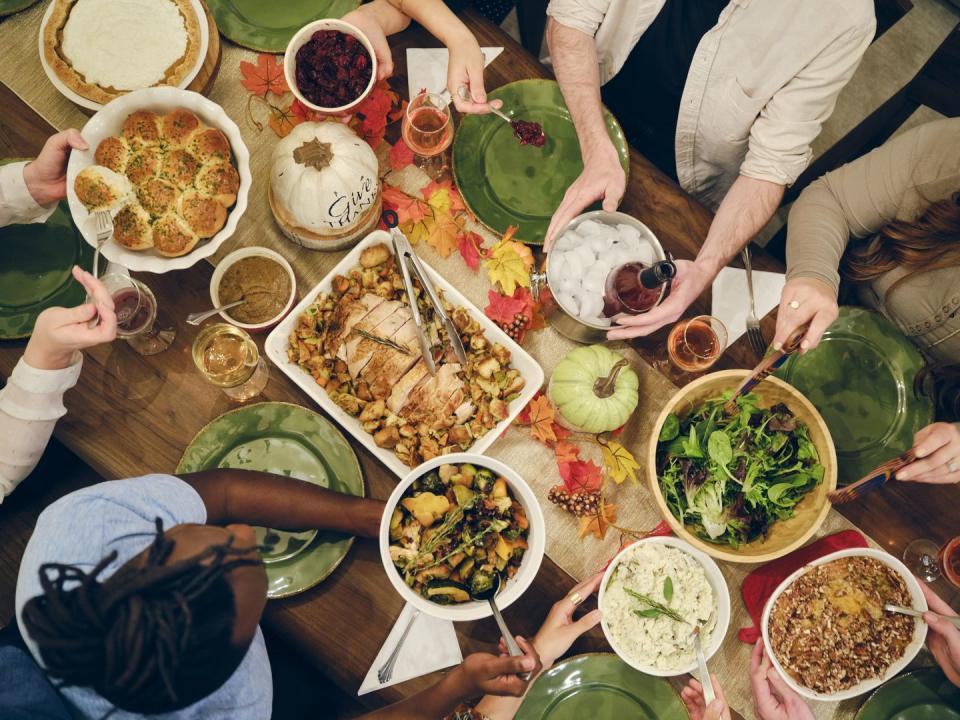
(228, 357)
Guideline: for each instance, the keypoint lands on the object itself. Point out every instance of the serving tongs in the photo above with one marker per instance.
(767, 365)
(880, 475)
(407, 260)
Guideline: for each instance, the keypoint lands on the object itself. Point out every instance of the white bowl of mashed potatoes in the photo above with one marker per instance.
(653, 594)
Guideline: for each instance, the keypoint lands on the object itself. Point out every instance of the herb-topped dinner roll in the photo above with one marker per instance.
(141, 128)
(144, 165)
(113, 153)
(177, 128)
(219, 180)
(172, 236)
(131, 228)
(158, 196)
(202, 213)
(210, 144)
(100, 188)
(180, 168)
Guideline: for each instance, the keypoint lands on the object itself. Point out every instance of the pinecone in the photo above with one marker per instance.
(516, 328)
(580, 503)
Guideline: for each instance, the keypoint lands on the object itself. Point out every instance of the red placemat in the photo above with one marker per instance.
(759, 585)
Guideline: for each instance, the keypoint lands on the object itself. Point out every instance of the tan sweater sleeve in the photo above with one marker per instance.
(861, 197)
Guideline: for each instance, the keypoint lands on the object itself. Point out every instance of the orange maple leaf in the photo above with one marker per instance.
(542, 414)
(409, 208)
(566, 452)
(443, 235)
(282, 120)
(266, 76)
(598, 524)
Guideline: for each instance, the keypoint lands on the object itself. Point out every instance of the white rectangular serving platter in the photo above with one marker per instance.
(278, 341)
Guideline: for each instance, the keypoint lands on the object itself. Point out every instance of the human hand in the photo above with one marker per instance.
(465, 70)
(772, 697)
(486, 674)
(59, 332)
(690, 281)
(367, 23)
(816, 304)
(46, 176)
(602, 178)
(938, 447)
(692, 696)
(943, 640)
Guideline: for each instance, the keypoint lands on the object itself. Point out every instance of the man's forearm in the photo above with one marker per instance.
(746, 208)
(390, 19)
(574, 57)
(436, 17)
(433, 703)
(259, 498)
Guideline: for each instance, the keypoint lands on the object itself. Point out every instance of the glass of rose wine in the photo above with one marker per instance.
(427, 129)
(228, 357)
(695, 344)
(136, 309)
(928, 562)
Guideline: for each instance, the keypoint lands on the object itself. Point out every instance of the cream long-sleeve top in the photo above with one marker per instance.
(32, 400)
(897, 181)
(761, 84)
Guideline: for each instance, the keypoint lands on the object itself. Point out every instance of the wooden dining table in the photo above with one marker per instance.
(130, 415)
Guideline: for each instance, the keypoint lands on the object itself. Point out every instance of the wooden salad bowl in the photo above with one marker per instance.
(784, 536)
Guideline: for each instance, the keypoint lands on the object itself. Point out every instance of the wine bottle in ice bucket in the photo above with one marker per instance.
(633, 288)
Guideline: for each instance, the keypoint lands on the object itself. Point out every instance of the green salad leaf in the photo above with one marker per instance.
(731, 476)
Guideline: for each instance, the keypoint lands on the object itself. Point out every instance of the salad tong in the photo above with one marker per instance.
(767, 365)
(407, 260)
(881, 475)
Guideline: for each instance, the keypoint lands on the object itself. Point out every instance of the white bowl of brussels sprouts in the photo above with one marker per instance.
(453, 523)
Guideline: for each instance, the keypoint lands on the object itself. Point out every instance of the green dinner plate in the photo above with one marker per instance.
(9, 7)
(35, 264)
(923, 694)
(860, 378)
(600, 687)
(290, 440)
(268, 26)
(504, 183)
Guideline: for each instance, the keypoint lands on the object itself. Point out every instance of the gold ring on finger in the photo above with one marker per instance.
(794, 304)
(575, 598)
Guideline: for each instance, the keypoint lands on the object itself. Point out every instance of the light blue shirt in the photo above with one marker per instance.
(84, 527)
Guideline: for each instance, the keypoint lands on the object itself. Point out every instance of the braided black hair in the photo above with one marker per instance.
(151, 638)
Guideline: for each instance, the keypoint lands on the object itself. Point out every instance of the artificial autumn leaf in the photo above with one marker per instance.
(542, 414)
(619, 462)
(566, 452)
(561, 432)
(597, 525)
(507, 266)
(409, 209)
(524, 417)
(443, 235)
(400, 155)
(370, 116)
(443, 196)
(581, 475)
(282, 120)
(305, 113)
(470, 244)
(535, 318)
(502, 309)
(266, 76)
(420, 230)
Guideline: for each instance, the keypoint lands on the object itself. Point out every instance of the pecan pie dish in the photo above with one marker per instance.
(829, 630)
(167, 179)
(101, 49)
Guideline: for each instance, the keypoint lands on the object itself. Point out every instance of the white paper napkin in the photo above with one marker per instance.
(431, 645)
(427, 67)
(731, 302)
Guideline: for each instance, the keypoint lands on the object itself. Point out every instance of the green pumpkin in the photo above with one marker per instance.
(594, 389)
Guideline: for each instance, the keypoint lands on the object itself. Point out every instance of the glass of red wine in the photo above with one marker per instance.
(695, 344)
(136, 309)
(427, 129)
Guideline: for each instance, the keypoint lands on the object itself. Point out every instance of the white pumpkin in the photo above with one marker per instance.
(324, 185)
(594, 389)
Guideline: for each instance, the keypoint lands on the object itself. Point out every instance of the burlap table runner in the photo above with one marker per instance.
(22, 72)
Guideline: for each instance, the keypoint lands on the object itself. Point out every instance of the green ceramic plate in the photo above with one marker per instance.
(290, 440)
(504, 183)
(35, 264)
(600, 687)
(8, 7)
(923, 694)
(268, 26)
(860, 378)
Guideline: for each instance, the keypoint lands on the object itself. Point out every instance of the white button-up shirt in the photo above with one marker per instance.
(761, 84)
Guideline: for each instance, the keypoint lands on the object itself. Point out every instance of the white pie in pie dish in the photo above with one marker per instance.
(98, 50)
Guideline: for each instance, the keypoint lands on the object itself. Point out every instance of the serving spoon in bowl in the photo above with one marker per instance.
(198, 317)
(489, 594)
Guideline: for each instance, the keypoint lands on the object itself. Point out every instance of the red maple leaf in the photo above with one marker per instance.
(371, 114)
(502, 309)
(408, 208)
(469, 245)
(400, 155)
(581, 475)
(524, 417)
(266, 76)
(566, 452)
(559, 430)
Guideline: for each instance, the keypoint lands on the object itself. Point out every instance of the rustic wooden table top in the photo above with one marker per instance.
(131, 415)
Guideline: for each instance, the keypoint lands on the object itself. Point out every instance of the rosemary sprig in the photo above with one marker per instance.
(450, 522)
(383, 341)
(654, 609)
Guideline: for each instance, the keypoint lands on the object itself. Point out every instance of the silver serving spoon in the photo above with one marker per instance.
(489, 594)
(708, 695)
(952, 619)
(198, 317)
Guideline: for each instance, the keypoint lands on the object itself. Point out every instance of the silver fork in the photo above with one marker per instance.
(103, 223)
(386, 671)
(754, 334)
